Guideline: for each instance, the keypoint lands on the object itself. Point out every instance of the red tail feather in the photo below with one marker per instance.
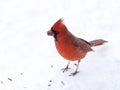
(97, 42)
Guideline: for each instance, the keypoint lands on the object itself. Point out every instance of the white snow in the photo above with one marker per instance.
(28, 57)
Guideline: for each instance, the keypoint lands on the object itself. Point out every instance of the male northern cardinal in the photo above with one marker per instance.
(69, 46)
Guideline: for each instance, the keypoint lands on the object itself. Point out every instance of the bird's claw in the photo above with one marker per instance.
(73, 74)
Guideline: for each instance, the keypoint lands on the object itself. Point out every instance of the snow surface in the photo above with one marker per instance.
(28, 57)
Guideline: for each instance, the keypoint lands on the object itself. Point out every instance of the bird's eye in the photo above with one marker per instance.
(56, 32)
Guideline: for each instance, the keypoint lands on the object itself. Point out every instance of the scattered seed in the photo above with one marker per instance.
(62, 83)
(10, 79)
(1, 82)
(51, 66)
(50, 81)
(21, 73)
(49, 85)
(25, 87)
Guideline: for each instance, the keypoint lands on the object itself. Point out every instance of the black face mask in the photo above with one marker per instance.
(55, 33)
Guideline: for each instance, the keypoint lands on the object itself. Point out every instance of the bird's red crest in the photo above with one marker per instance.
(59, 26)
(59, 22)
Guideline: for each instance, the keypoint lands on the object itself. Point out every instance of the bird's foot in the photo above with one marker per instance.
(65, 69)
(73, 74)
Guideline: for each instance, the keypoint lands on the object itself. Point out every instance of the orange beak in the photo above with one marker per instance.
(50, 33)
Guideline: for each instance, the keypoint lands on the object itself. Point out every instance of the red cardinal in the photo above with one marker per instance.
(69, 46)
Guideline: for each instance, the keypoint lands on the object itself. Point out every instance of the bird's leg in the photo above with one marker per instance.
(76, 71)
(67, 67)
